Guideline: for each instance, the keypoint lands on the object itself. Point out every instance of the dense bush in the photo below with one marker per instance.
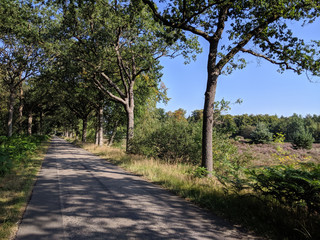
(5, 164)
(295, 123)
(246, 131)
(172, 140)
(228, 163)
(302, 139)
(261, 134)
(15, 150)
(290, 186)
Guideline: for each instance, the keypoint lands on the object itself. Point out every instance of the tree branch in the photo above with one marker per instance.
(112, 84)
(182, 25)
(200, 11)
(120, 63)
(245, 40)
(268, 59)
(106, 91)
(221, 23)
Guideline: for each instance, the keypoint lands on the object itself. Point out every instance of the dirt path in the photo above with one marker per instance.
(79, 196)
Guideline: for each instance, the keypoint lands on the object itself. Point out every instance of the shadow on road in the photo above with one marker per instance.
(79, 196)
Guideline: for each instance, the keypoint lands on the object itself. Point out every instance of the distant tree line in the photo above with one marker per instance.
(245, 125)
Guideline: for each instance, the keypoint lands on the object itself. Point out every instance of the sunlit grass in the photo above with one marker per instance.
(15, 190)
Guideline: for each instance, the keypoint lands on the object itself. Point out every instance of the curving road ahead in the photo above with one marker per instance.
(80, 196)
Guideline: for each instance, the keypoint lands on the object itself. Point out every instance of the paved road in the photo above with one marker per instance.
(79, 196)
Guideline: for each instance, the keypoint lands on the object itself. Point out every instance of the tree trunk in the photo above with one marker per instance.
(130, 129)
(114, 131)
(100, 127)
(40, 123)
(130, 118)
(21, 109)
(208, 111)
(77, 132)
(67, 132)
(97, 135)
(38, 127)
(84, 129)
(10, 114)
(30, 123)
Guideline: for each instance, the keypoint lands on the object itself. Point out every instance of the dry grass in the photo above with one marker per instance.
(15, 190)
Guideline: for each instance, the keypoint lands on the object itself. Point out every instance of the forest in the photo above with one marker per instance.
(90, 71)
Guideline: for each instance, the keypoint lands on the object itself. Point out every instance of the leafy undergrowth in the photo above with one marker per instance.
(25, 155)
(254, 210)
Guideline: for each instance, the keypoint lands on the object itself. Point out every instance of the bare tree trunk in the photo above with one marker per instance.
(97, 131)
(114, 131)
(130, 118)
(30, 118)
(40, 123)
(100, 127)
(97, 135)
(76, 129)
(38, 127)
(208, 111)
(130, 127)
(84, 129)
(10, 114)
(67, 132)
(21, 109)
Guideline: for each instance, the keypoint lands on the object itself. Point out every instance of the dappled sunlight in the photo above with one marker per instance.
(86, 197)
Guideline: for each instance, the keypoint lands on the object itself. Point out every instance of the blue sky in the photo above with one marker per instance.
(262, 89)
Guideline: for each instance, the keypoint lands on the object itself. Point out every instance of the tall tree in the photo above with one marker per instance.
(35, 97)
(18, 62)
(116, 45)
(21, 25)
(252, 27)
(77, 94)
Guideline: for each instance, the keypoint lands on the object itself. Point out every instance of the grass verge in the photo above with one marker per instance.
(263, 215)
(15, 191)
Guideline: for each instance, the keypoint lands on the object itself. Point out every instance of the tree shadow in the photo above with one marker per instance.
(79, 196)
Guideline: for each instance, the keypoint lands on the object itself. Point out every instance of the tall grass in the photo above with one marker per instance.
(16, 185)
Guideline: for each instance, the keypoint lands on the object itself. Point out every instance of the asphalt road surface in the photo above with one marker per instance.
(80, 196)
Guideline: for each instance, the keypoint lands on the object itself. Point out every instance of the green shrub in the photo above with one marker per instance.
(172, 141)
(291, 187)
(302, 139)
(180, 141)
(246, 131)
(279, 138)
(199, 172)
(228, 163)
(261, 134)
(15, 151)
(295, 123)
(5, 164)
